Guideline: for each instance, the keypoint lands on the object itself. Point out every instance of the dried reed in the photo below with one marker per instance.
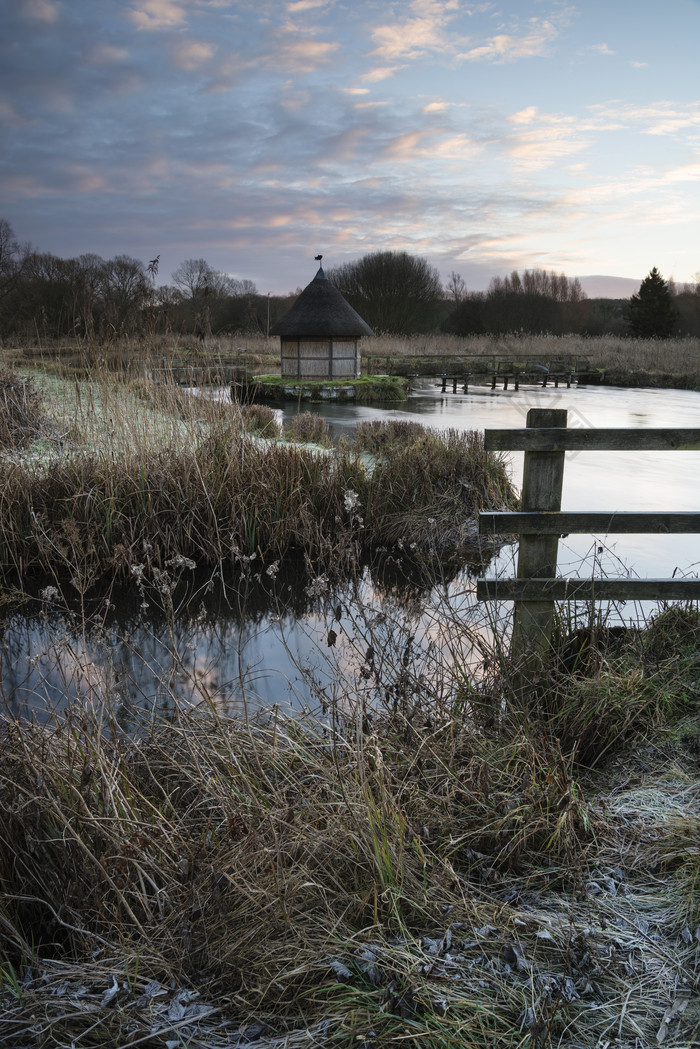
(143, 472)
(332, 882)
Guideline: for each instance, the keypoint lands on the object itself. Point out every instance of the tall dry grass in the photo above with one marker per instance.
(261, 355)
(139, 472)
(373, 876)
(679, 356)
(428, 487)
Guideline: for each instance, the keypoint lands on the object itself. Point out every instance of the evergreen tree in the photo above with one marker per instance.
(651, 311)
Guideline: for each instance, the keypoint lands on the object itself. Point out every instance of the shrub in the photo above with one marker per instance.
(260, 419)
(308, 428)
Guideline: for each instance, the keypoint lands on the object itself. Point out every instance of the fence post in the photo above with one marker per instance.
(543, 477)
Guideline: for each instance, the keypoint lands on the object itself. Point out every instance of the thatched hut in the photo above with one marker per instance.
(320, 334)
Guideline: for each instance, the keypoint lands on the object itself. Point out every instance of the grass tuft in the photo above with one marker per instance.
(22, 415)
(428, 487)
(308, 428)
(260, 419)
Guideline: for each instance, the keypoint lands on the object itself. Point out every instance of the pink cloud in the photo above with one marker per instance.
(40, 10)
(157, 14)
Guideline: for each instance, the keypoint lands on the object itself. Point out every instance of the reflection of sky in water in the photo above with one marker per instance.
(234, 663)
(281, 656)
(614, 481)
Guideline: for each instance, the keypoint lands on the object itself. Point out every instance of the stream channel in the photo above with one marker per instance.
(287, 641)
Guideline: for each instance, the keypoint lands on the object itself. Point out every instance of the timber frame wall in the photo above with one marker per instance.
(326, 358)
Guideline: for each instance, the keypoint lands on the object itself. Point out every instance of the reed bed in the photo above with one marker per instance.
(428, 487)
(140, 473)
(680, 356)
(614, 354)
(260, 355)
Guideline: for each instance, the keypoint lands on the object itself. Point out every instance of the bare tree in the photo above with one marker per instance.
(392, 290)
(455, 287)
(11, 258)
(127, 290)
(192, 276)
(551, 285)
(196, 278)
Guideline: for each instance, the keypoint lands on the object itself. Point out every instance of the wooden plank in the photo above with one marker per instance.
(561, 439)
(537, 590)
(566, 523)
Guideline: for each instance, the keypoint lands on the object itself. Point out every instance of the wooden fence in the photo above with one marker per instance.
(540, 523)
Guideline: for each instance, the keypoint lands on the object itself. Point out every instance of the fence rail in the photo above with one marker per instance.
(588, 589)
(565, 523)
(541, 522)
(559, 439)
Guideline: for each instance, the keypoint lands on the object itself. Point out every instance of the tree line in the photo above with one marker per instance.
(88, 297)
(396, 292)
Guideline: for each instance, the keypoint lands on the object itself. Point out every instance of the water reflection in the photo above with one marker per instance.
(614, 481)
(292, 641)
(296, 641)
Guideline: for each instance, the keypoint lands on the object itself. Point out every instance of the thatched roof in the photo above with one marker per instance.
(321, 310)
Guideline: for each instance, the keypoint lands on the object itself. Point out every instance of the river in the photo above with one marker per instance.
(289, 643)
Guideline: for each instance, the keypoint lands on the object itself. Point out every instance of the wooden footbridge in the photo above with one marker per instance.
(459, 372)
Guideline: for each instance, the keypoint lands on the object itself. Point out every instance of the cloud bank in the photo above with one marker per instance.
(484, 136)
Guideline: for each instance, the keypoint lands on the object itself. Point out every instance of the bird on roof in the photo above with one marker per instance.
(317, 258)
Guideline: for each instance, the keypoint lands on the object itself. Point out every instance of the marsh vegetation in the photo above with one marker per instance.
(635, 361)
(417, 859)
(136, 473)
(413, 857)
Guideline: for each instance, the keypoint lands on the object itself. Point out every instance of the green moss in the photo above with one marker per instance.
(368, 388)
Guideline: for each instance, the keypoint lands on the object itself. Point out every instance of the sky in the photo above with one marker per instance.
(258, 134)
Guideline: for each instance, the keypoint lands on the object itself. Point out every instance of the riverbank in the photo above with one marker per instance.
(435, 867)
(412, 858)
(111, 477)
(651, 380)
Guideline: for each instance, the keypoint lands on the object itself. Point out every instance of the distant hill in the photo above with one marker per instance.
(602, 287)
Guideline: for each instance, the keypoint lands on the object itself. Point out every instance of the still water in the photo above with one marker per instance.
(288, 641)
(611, 481)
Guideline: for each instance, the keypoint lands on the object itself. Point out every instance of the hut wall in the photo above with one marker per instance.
(320, 358)
(345, 358)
